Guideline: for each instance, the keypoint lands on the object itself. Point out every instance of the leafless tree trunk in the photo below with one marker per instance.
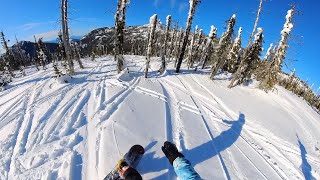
(120, 18)
(152, 28)
(177, 46)
(193, 4)
(255, 23)
(65, 35)
(164, 51)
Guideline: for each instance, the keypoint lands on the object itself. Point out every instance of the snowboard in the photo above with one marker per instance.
(132, 157)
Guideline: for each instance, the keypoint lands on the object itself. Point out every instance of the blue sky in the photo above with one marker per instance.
(42, 18)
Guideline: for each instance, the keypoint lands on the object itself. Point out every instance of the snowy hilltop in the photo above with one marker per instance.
(80, 129)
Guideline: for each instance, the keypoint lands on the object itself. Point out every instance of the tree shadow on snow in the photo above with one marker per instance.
(29, 81)
(186, 71)
(305, 166)
(77, 167)
(220, 76)
(198, 154)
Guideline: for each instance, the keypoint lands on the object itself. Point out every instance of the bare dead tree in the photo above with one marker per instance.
(120, 18)
(193, 4)
(164, 51)
(152, 28)
(255, 23)
(65, 35)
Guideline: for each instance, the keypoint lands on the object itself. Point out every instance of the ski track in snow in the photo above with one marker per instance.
(210, 134)
(111, 107)
(172, 123)
(67, 139)
(29, 102)
(24, 122)
(104, 110)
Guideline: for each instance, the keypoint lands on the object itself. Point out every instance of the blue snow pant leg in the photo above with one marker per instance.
(184, 170)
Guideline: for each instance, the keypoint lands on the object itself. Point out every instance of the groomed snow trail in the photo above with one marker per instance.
(79, 130)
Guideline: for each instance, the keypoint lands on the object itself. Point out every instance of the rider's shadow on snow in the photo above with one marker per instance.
(201, 153)
(305, 166)
(220, 143)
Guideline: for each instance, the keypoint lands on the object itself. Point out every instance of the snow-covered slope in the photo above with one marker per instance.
(81, 129)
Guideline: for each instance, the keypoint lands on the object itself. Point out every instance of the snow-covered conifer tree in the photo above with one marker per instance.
(60, 52)
(158, 40)
(5, 76)
(76, 53)
(177, 46)
(225, 44)
(208, 48)
(248, 61)
(164, 51)
(21, 57)
(289, 84)
(57, 72)
(191, 48)
(8, 57)
(152, 28)
(233, 56)
(283, 44)
(268, 53)
(41, 55)
(93, 56)
(269, 75)
(198, 47)
(120, 18)
(173, 42)
(193, 4)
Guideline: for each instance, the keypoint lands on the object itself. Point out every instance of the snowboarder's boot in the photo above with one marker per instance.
(122, 166)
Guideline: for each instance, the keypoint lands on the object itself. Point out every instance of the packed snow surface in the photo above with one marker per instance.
(80, 129)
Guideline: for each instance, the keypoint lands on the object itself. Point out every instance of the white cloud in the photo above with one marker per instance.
(32, 25)
(47, 36)
(156, 2)
(87, 20)
(183, 6)
(2, 50)
(172, 3)
(29, 26)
